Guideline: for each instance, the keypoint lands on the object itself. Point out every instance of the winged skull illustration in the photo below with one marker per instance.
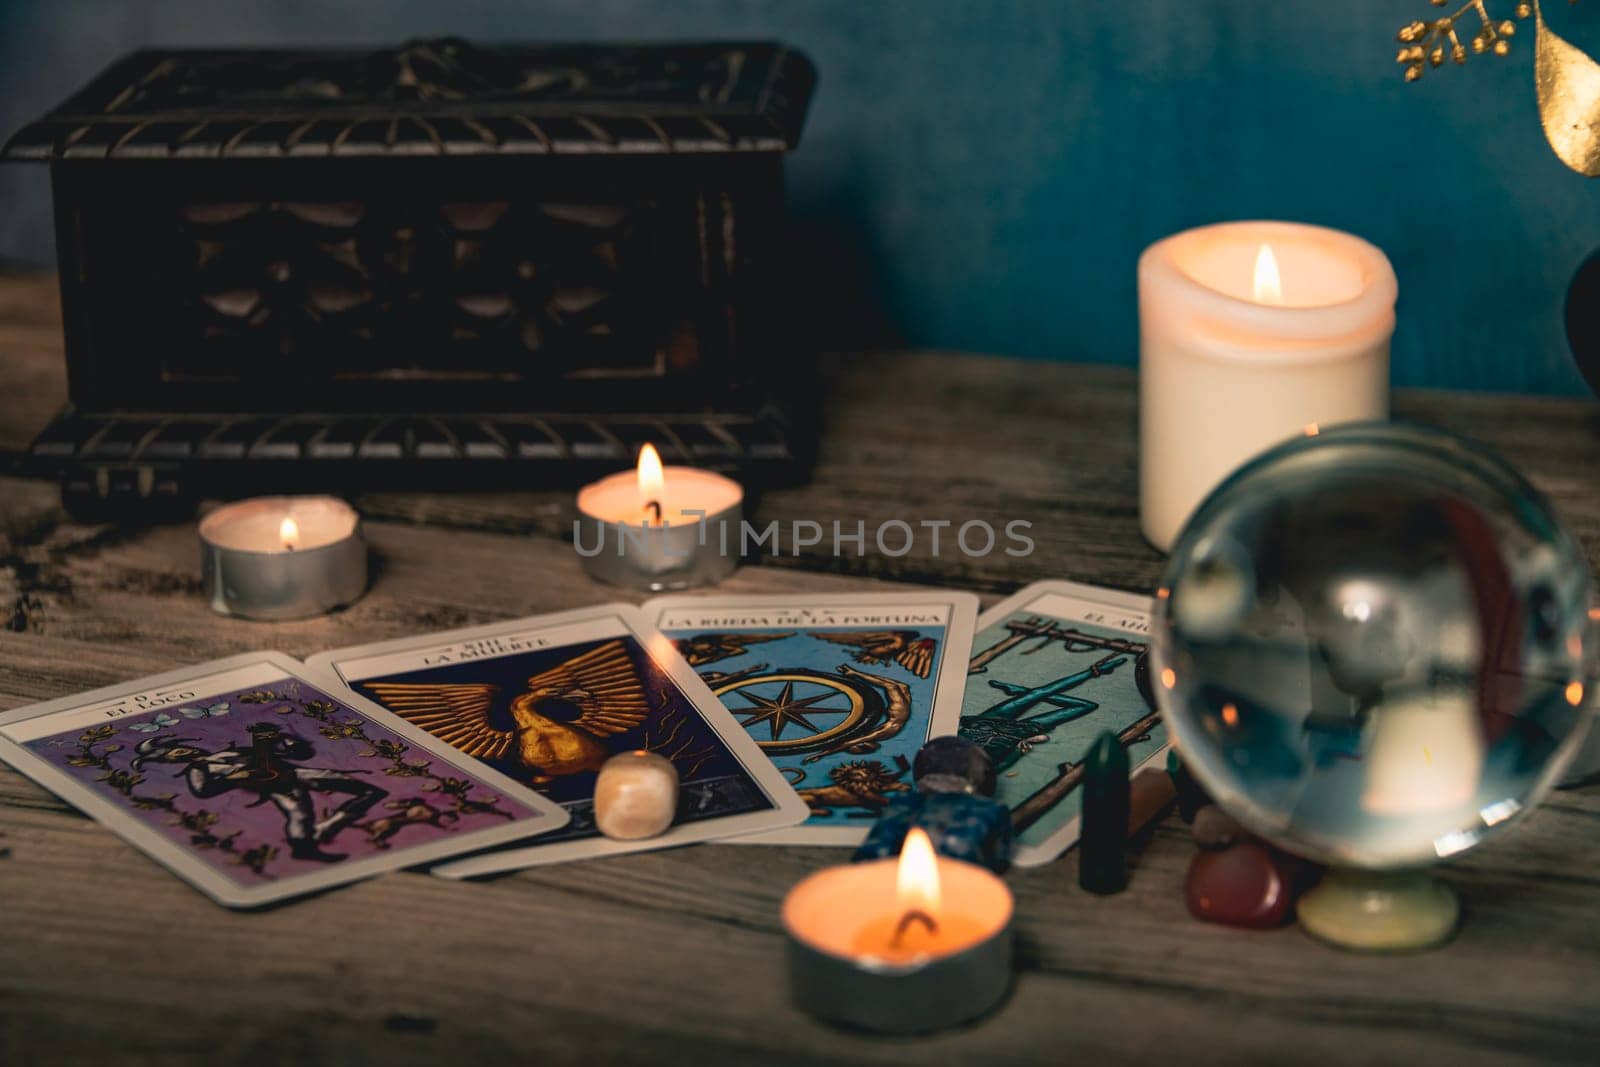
(557, 726)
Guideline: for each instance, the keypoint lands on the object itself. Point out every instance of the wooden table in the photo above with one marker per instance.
(677, 956)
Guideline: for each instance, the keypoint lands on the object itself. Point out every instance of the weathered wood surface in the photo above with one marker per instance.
(677, 956)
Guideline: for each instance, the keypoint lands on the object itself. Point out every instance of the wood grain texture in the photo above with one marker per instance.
(677, 956)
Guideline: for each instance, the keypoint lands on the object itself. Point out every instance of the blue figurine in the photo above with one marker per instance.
(953, 802)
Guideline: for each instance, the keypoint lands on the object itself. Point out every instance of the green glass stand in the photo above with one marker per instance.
(1380, 911)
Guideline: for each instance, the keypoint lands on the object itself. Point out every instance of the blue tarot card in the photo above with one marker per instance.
(838, 691)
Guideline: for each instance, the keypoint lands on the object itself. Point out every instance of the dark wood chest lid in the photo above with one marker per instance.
(432, 98)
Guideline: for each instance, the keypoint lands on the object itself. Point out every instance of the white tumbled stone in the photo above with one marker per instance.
(635, 796)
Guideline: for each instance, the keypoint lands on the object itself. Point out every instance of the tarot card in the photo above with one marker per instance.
(254, 783)
(838, 691)
(1053, 667)
(546, 700)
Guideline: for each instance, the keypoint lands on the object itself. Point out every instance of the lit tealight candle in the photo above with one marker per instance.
(905, 945)
(1251, 333)
(282, 557)
(658, 527)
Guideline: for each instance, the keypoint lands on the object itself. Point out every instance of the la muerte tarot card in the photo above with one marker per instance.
(838, 691)
(547, 700)
(1052, 668)
(254, 783)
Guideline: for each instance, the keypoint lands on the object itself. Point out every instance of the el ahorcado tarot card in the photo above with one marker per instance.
(1052, 668)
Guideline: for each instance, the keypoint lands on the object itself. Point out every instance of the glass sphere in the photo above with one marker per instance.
(1373, 645)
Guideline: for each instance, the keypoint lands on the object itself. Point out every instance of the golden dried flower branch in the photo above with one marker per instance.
(1425, 43)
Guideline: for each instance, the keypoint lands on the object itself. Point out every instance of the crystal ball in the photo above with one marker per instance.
(1373, 645)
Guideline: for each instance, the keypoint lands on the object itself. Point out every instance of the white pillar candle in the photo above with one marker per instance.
(1425, 756)
(1250, 333)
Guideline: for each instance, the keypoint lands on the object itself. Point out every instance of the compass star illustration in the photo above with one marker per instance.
(808, 710)
(786, 708)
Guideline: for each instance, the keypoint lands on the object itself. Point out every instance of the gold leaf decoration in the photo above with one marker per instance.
(1568, 83)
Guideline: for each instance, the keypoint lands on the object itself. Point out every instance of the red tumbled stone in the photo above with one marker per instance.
(1238, 886)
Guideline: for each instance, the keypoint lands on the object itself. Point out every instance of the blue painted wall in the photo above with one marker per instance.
(983, 175)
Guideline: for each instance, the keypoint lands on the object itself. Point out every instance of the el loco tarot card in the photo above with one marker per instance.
(547, 700)
(1052, 668)
(254, 783)
(838, 691)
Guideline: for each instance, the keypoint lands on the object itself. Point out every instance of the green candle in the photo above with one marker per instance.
(1102, 862)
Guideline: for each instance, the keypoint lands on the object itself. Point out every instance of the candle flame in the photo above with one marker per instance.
(289, 532)
(917, 883)
(1268, 288)
(651, 478)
